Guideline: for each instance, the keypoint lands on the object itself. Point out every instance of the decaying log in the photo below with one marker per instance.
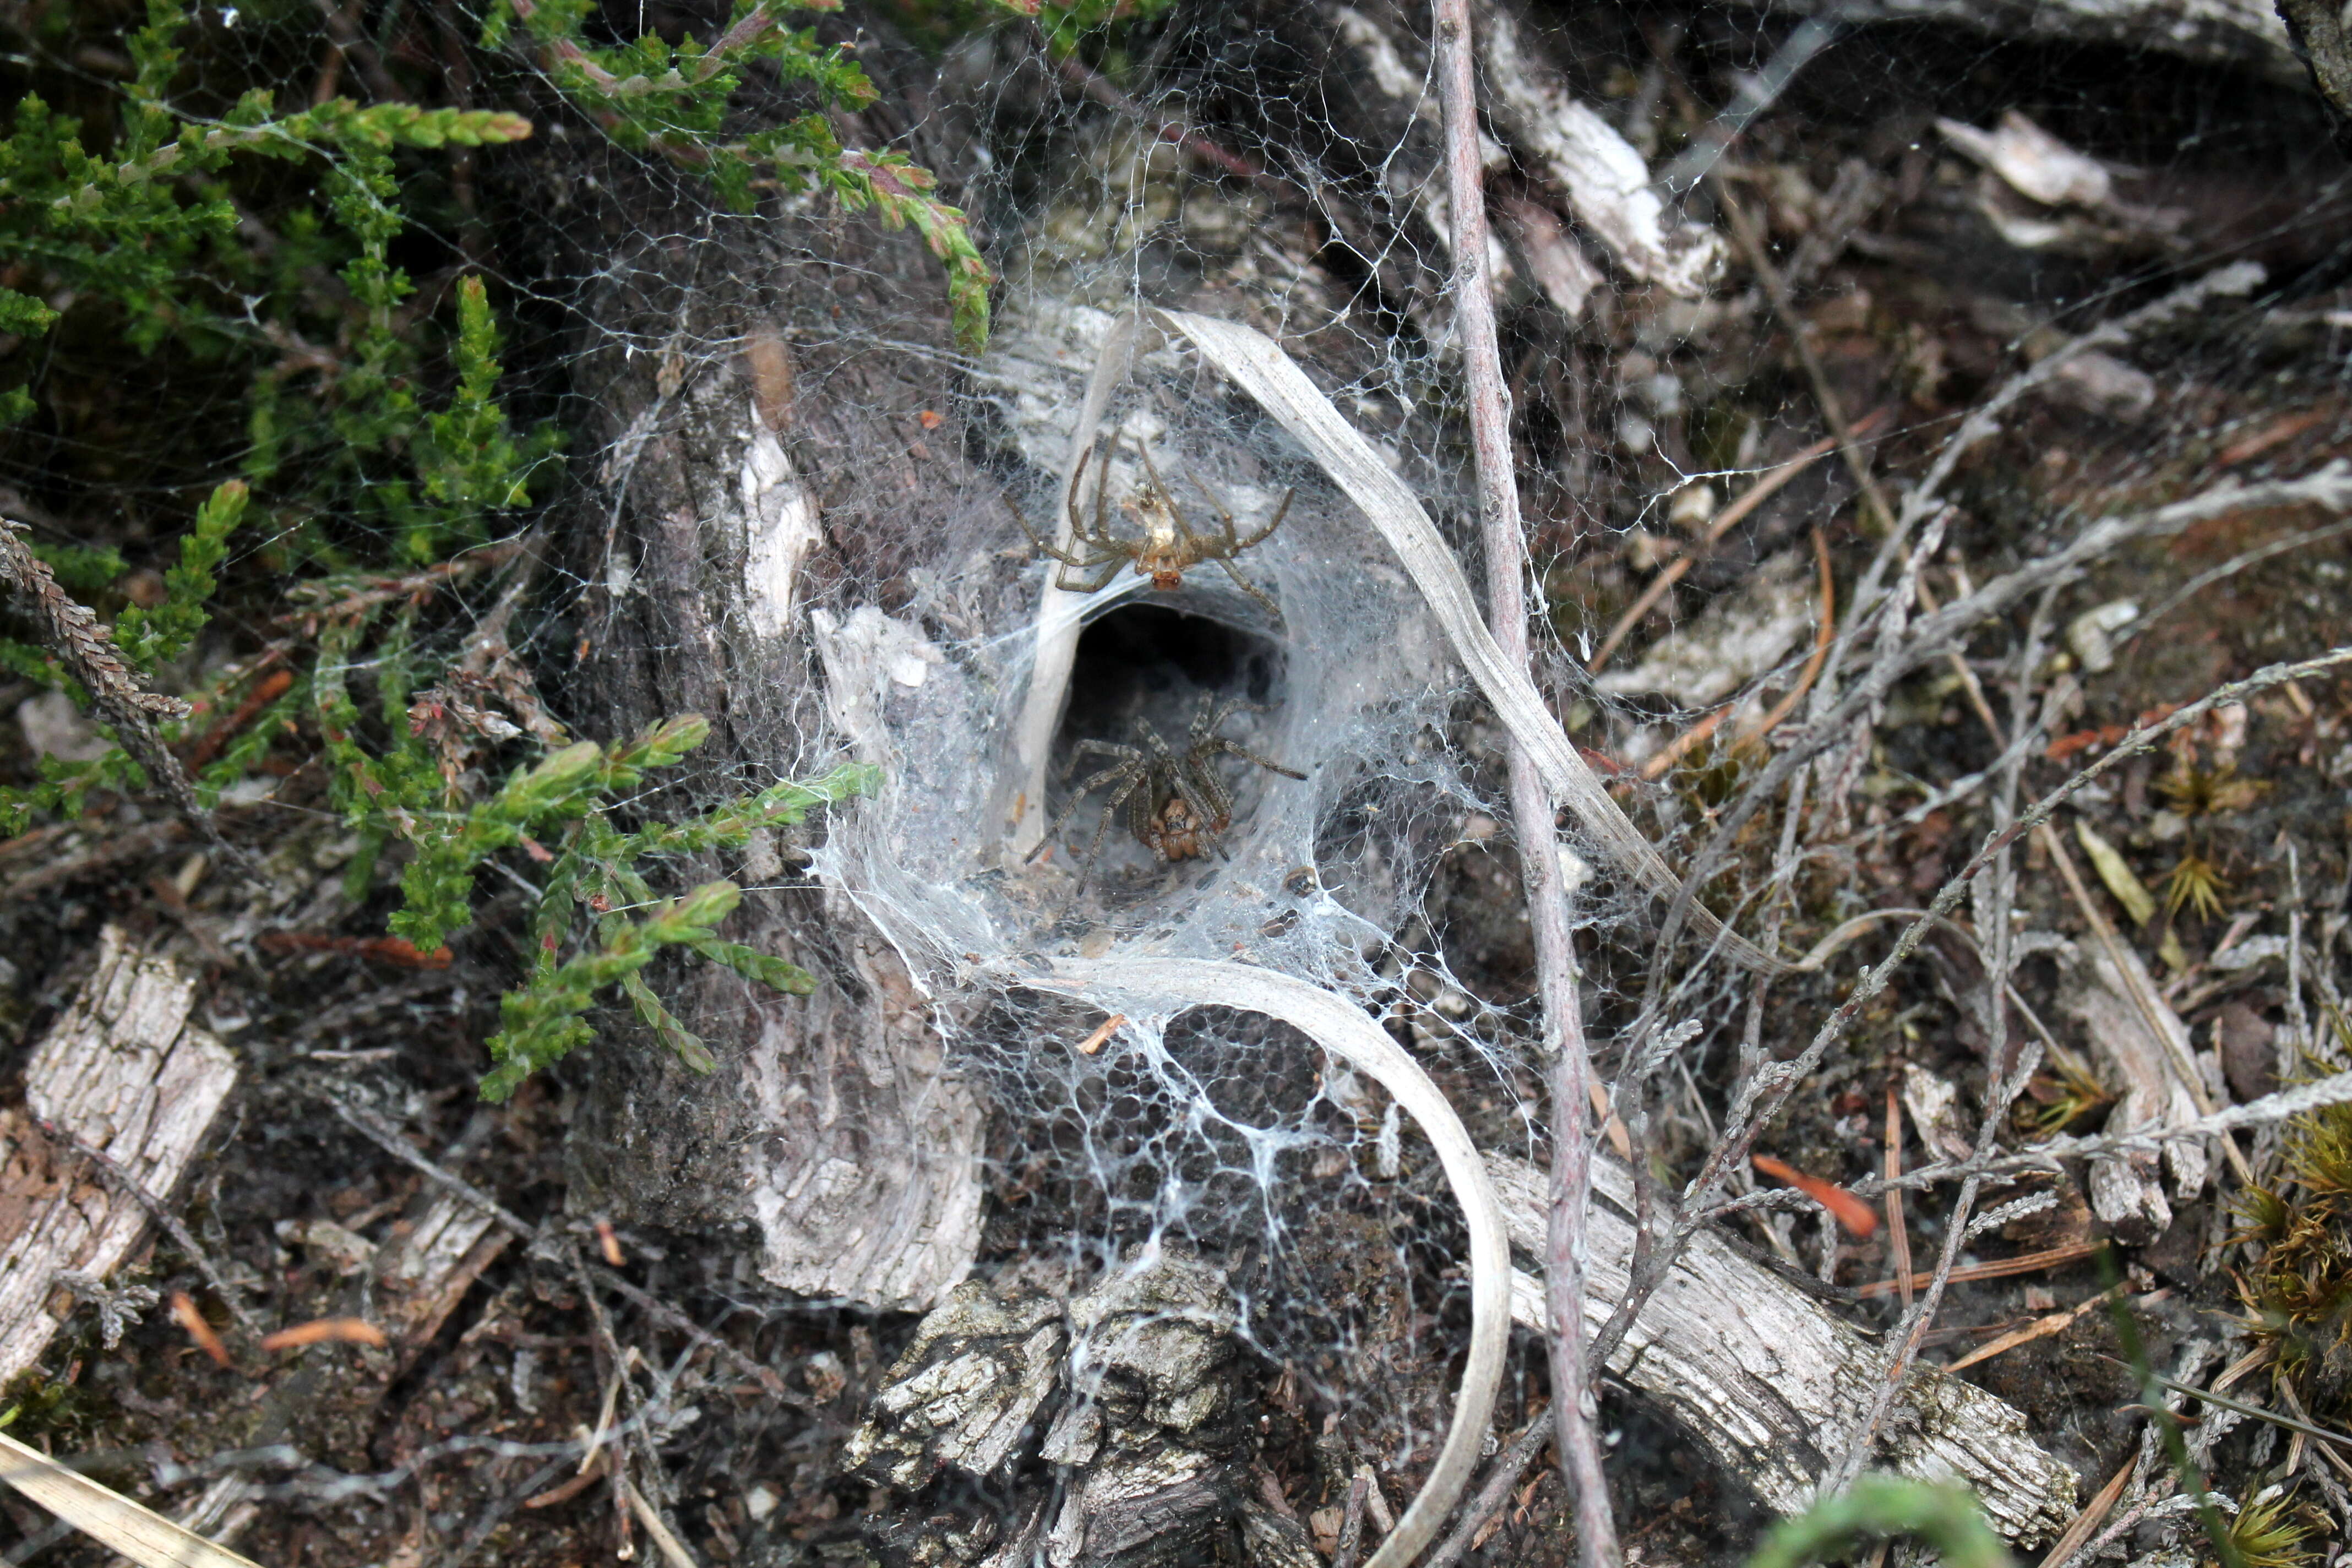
(1107, 1428)
(124, 1072)
(1768, 1379)
(2240, 32)
(765, 462)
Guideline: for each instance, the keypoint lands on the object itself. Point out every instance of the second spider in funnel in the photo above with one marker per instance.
(1176, 804)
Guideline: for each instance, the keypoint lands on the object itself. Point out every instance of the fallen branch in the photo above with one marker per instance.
(1769, 1379)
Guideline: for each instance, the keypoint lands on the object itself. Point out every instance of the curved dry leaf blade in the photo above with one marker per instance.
(1163, 986)
(1259, 366)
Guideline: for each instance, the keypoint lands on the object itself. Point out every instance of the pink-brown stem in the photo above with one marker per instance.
(1573, 1403)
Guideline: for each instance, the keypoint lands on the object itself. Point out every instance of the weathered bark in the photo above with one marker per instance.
(125, 1073)
(762, 452)
(2233, 32)
(1113, 1428)
(2320, 35)
(831, 1122)
(1768, 1379)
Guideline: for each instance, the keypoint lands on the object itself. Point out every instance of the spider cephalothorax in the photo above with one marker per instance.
(1176, 804)
(1165, 545)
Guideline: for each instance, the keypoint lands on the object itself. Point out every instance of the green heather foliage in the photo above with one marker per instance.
(673, 98)
(197, 220)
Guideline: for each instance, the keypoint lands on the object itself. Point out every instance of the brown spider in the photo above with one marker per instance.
(1176, 804)
(1168, 545)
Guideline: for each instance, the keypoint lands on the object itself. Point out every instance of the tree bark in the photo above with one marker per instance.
(771, 421)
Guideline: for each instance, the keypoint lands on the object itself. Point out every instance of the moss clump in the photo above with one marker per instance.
(2270, 1531)
(2298, 1297)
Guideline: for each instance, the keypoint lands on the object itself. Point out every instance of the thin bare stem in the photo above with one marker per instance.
(1575, 1408)
(1772, 1082)
(1502, 1479)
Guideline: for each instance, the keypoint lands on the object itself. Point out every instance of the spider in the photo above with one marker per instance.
(1168, 545)
(1176, 804)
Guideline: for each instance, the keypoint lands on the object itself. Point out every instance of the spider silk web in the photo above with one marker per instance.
(813, 514)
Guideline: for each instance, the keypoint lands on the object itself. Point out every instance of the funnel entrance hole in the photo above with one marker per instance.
(1148, 662)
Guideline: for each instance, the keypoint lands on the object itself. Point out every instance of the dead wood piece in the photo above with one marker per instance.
(2127, 1190)
(2241, 32)
(1131, 1386)
(1769, 1380)
(429, 1264)
(1605, 180)
(875, 1192)
(832, 1126)
(965, 1391)
(2322, 36)
(125, 1073)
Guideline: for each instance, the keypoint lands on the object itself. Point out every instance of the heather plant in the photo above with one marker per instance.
(378, 481)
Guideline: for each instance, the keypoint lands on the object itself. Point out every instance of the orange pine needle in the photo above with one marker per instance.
(610, 1243)
(185, 1313)
(1850, 1211)
(1102, 1034)
(345, 1330)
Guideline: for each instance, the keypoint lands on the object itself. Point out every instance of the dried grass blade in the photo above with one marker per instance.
(1898, 1234)
(1258, 365)
(2040, 1329)
(2001, 1269)
(673, 1551)
(106, 1516)
(2092, 1516)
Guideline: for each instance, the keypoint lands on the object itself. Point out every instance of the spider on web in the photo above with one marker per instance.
(1168, 545)
(1176, 804)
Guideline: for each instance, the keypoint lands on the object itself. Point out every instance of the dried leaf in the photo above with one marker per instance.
(2117, 874)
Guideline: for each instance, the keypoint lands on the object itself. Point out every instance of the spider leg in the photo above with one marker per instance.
(1098, 538)
(1091, 747)
(1235, 748)
(1142, 819)
(1077, 483)
(1213, 808)
(1252, 589)
(1280, 514)
(1208, 794)
(1197, 547)
(1225, 542)
(1094, 847)
(1109, 571)
(1123, 770)
(1039, 540)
